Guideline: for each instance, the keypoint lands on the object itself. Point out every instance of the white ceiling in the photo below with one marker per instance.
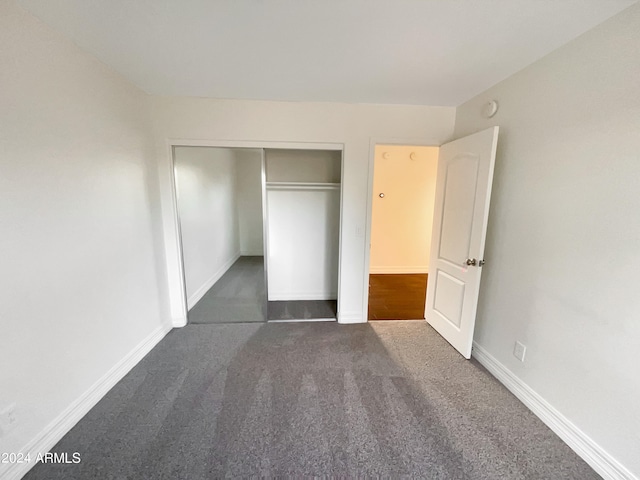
(427, 52)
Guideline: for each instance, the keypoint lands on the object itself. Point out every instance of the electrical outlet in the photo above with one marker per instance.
(519, 350)
(8, 419)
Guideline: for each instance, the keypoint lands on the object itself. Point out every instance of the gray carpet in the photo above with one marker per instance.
(238, 297)
(389, 399)
(302, 309)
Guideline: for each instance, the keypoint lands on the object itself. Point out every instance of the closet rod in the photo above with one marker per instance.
(301, 186)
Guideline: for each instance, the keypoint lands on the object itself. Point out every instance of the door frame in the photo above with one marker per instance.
(170, 145)
(373, 143)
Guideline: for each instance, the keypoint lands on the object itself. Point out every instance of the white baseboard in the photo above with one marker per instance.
(302, 320)
(257, 253)
(179, 322)
(198, 294)
(58, 428)
(416, 269)
(351, 317)
(290, 296)
(592, 453)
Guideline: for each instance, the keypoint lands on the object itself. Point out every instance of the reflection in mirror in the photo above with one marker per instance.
(219, 199)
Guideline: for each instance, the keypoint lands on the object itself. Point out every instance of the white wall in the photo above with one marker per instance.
(309, 166)
(198, 119)
(563, 242)
(82, 257)
(401, 221)
(303, 224)
(249, 200)
(303, 244)
(206, 189)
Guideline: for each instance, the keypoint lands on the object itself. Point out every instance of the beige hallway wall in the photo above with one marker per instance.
(401, 221)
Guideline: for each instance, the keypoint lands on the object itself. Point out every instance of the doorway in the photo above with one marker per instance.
(403, 197)
(464, 175)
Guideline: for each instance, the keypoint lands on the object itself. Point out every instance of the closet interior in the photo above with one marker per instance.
(302, 191)
(259, 231)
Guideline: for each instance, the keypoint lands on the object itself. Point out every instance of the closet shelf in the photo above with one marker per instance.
(301, 186)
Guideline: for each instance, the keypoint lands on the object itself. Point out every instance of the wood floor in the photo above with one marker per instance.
(397, 296)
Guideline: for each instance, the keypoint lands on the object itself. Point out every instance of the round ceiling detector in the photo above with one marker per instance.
(489, 109)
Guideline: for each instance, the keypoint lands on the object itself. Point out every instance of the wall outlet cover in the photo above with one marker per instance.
(8, 419)
(519, 351)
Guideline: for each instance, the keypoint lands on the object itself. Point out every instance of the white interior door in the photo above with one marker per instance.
(463, 190)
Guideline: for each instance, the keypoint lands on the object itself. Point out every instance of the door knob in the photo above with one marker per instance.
(472, 262)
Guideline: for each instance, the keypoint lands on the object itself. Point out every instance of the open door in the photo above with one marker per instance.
(463, 191)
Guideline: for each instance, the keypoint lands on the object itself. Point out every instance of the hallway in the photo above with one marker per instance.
(397, 297)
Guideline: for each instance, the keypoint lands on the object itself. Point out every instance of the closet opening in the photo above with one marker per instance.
(258, 231)
(303, 233)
